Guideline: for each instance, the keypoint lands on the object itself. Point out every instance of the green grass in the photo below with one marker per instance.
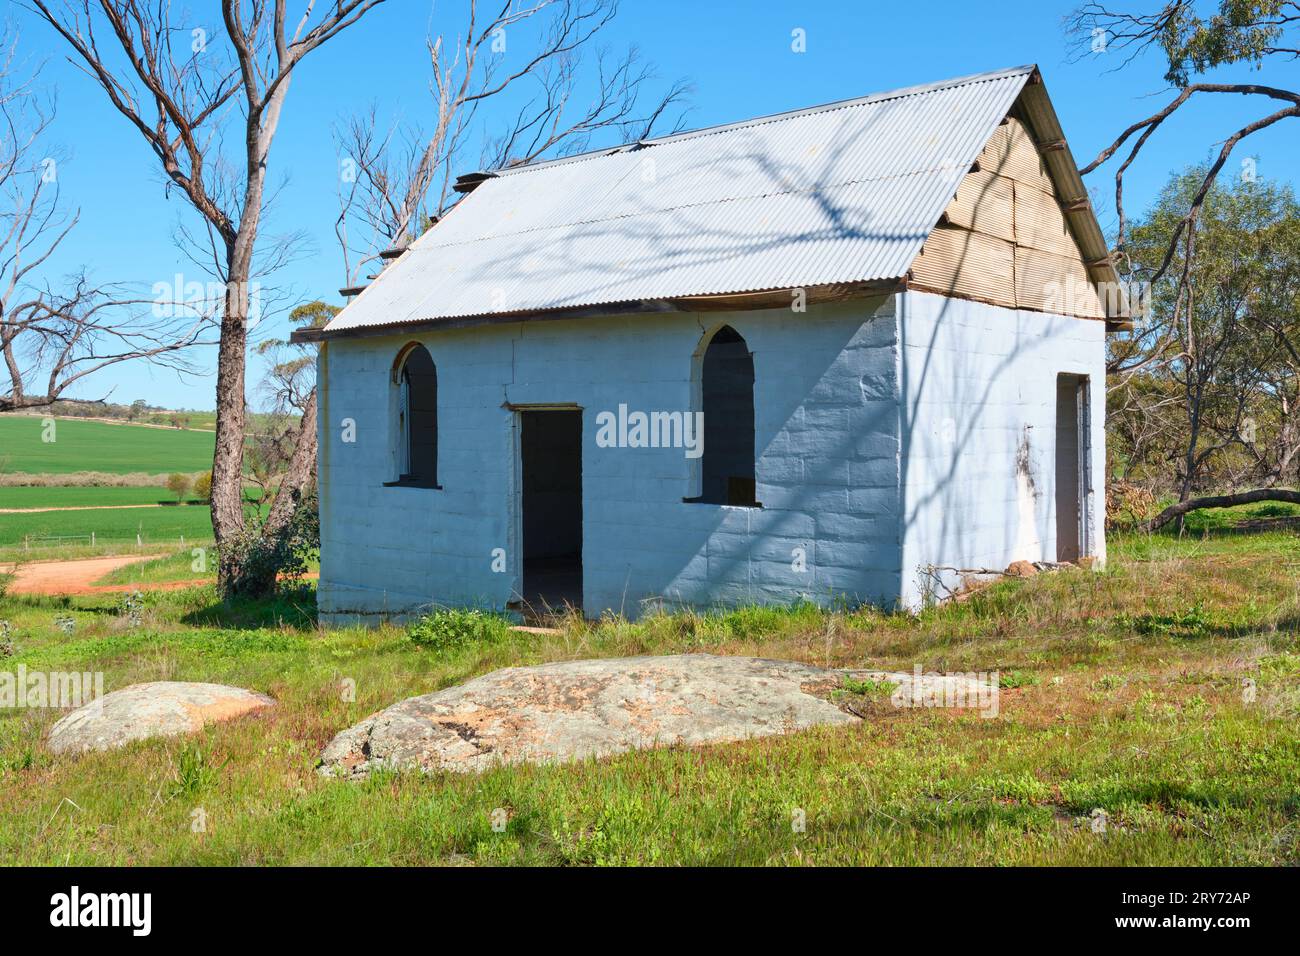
(99, 446)
(1223, 519)
(1097, 711)
(74, 497)
(180, 566)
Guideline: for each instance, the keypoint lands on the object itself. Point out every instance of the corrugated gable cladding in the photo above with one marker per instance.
(837, 195)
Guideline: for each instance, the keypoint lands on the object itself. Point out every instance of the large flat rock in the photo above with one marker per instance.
(157, 709)
(593, 708)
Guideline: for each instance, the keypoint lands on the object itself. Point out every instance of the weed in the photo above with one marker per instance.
(455, 627)
(869, 687)
(1009, 680)
(193, 773)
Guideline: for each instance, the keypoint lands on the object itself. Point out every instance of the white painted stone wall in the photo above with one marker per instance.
(826, 422)
(966, 390)
(978, 388)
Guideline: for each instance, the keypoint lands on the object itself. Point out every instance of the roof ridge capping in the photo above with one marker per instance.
(880, 96)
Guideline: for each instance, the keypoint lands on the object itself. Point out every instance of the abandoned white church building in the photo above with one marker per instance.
(837, 354)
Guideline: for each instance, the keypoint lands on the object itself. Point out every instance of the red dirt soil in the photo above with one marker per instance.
(71, 577)
(78, 577)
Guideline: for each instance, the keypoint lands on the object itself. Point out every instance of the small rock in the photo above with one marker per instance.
(157, 709)
(1021, 569)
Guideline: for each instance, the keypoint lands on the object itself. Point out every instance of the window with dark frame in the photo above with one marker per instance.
(417, 420)
(727, 398)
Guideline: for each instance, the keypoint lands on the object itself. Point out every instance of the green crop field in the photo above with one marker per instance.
(99, 446)
(82, 496)
(108, 524)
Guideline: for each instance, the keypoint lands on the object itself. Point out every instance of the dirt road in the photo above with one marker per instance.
(70, 577)
(78, 577)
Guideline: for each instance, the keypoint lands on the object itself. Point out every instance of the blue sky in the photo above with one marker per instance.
(736, 55)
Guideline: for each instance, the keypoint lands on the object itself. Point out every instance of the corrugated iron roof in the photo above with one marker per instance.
(837, 194)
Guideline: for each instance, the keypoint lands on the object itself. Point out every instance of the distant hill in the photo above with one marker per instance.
(138, 412)
(81, 445)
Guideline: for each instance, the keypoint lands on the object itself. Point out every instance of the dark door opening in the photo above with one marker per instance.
(1071, 466)
(550, 444)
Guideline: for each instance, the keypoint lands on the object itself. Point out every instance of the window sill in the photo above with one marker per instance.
(412, 483)
(724, 504)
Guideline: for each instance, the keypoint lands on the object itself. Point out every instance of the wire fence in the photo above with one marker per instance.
(35, 542)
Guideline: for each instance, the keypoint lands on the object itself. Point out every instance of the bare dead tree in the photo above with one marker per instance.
(563, 94)
(54, 335)
(177, 84)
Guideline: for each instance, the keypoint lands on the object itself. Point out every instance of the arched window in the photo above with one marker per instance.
(727, 400)
(417, 418)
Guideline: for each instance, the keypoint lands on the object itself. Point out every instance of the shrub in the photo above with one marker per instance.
(458, 627)
(203, 486)
(179, 485)
(259, 558)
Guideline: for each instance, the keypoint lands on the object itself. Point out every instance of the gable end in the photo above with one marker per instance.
(1006, 238)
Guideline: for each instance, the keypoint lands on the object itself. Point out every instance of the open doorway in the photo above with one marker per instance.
(1073, 457)
(550, 446)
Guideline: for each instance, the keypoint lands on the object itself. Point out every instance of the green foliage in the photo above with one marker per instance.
(869, 687)
(130, 607)
(203, 486)
(447, 628)
(193, 772)
(1193, 622)
(1239, 31)
(1224, 420)
(1009, 680)
(313, 314)
(260, 556)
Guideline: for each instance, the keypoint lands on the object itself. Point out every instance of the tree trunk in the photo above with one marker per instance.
(1220, 501)
(300, 471)
(228, 458)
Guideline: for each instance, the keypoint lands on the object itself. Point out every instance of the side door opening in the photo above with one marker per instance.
(1073, 467)
(550, 448)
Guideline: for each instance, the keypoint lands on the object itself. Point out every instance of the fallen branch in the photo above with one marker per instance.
(1220, 501)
